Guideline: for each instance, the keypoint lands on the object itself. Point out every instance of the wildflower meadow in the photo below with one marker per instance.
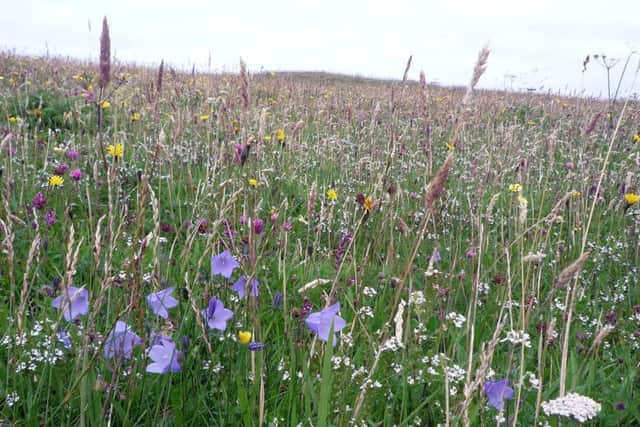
(307, 249)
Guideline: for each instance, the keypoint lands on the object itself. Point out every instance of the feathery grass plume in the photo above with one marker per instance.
(245, 84)
(592, 124)
(478, 70)
(434, 190)
(159, 82)
(491, 205)
(559, 205)
(406, 69)
(571, 270)
(105, 55)
(341, 250)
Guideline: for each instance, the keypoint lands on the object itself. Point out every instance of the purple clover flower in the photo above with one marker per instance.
(216, 315)
(258, 226)
(321, 322)
(73, 303)
(39, 201)
(76, 174)
(121, 341)
(223, 264)
(161, 301)
(241, 285)
(61, 169)
(72, 154)
(50, 217)
(497, 392)
(164, 356)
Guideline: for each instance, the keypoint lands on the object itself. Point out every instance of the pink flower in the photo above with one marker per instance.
(76, 174)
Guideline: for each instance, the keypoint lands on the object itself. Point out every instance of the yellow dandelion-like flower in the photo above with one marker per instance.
(267, 138)
(515, 188)
(450, 147)
(56, 181)
(332, 195)
(13, 119)
(280, 135)
(135, 116)
(576, 194)
(631, 198)
(105, 105)
(204, 117)
(253, 182)
(636, 138)
(368, 204)
(244, 337)
(115, 150)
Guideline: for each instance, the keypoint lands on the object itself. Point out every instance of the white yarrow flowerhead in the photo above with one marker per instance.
(581, 408)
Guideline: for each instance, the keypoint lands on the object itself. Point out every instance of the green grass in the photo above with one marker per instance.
(155, 217)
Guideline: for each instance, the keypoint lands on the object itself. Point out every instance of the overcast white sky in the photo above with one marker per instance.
(537, 43)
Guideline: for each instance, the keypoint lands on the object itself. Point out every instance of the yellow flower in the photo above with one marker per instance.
(115, 150)
(522, 200)
(204, 117)
(90, 87)
(56, 180)
(244, 337)
(13, 119)
(267, 138)
(332, 195)
(515, 188)
(450, 147)
(280, 135)
(636, 138)
(253, 182)
(135, 117)
(105, 105)
(576, 194)
(368, 204)
(631, 198)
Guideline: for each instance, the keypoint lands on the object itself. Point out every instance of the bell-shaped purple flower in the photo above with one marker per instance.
(223, 264)
(161, 301)
(121, 341)
(72, 303)
(241, 285)
(497, 392)
(164, 356)
(216, 315)
(321, 322)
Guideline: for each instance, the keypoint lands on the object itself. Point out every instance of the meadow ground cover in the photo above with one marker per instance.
(307, 249)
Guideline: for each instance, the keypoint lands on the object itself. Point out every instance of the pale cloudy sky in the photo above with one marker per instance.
(534, 43)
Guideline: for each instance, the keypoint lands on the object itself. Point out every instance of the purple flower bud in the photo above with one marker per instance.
(568, 166)
(277, 300)
(72, 154)
(61, 169)
(258, 226)
(39, 201)
(76, 174)
(287, 226)
(243, 219)
(274, 217)
(256, 346)
(50, 217)
(185, 341)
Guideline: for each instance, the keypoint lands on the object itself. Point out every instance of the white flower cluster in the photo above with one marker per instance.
(417, 298)
(582, 408)
(456, 318)
(518, 337)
